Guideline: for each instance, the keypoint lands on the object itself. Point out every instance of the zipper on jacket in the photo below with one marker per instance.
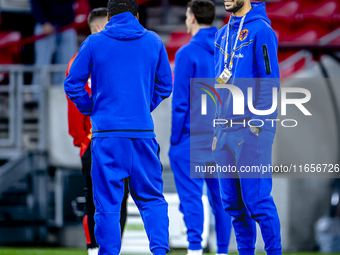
(266, 59)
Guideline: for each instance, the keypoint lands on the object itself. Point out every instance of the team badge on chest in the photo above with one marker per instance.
(243, 34)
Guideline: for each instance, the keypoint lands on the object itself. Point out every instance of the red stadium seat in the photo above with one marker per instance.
(284, 10)
(82, 9)
(332, 38)
(283, 13)
(226, 18)
(324, 11)
(177, 40)
(9, 50)
(336, 41)
(299, 65)
(301, 34)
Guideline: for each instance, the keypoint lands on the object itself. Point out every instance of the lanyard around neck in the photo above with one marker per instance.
(232, 54)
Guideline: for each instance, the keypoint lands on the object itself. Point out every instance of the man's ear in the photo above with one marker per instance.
(137, 16)
(194, 20)
(97, 28)
(108, 16)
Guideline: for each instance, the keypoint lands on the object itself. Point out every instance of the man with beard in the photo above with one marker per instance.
(247, 48)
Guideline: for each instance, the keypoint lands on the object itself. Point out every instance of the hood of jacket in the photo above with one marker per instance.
(258, 11)
(124, 26)
(206, 38)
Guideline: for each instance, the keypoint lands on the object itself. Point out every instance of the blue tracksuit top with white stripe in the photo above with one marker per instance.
(193, 60)
(130, 75)
(255, 65)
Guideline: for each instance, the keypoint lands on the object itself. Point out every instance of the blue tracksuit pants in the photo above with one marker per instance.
(246, 196)
(190, 191)
(114, 159)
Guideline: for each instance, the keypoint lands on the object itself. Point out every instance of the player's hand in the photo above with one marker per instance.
(48, 29)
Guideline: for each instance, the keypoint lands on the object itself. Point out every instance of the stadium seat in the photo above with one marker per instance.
(226, 18)
(176, 40)
(303, 33)
(284, 10)
(293, 68)
(82, 9)
(333, 39)
(283, 55)
(9, 47)
(324, 11)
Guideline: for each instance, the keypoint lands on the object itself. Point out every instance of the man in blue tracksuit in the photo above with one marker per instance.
(196, 60)
(130, 75)
(246, 57)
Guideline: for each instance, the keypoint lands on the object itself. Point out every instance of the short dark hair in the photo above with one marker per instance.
(97, 13)
(204, 11)
(119, 6)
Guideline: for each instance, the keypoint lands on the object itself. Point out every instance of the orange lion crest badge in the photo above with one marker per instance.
(243, 34)
(213, 147)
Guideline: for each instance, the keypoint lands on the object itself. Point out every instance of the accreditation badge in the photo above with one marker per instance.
(225, 76)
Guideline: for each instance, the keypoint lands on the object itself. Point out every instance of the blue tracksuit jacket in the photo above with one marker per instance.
(193, 60)
(116, 107)
(255, 65)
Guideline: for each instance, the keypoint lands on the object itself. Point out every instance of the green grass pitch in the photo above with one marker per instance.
(60, 251)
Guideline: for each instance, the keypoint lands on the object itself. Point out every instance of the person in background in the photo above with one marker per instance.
(80, 129)
(131, 76)
(54, 20)
(196, 60)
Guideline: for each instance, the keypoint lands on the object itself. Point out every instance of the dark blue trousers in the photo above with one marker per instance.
(246, 195)
(113, 160)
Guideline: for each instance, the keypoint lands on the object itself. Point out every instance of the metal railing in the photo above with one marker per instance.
(16, 90)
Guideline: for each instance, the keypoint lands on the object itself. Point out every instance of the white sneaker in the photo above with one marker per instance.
(93, 251)
(195, 252)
